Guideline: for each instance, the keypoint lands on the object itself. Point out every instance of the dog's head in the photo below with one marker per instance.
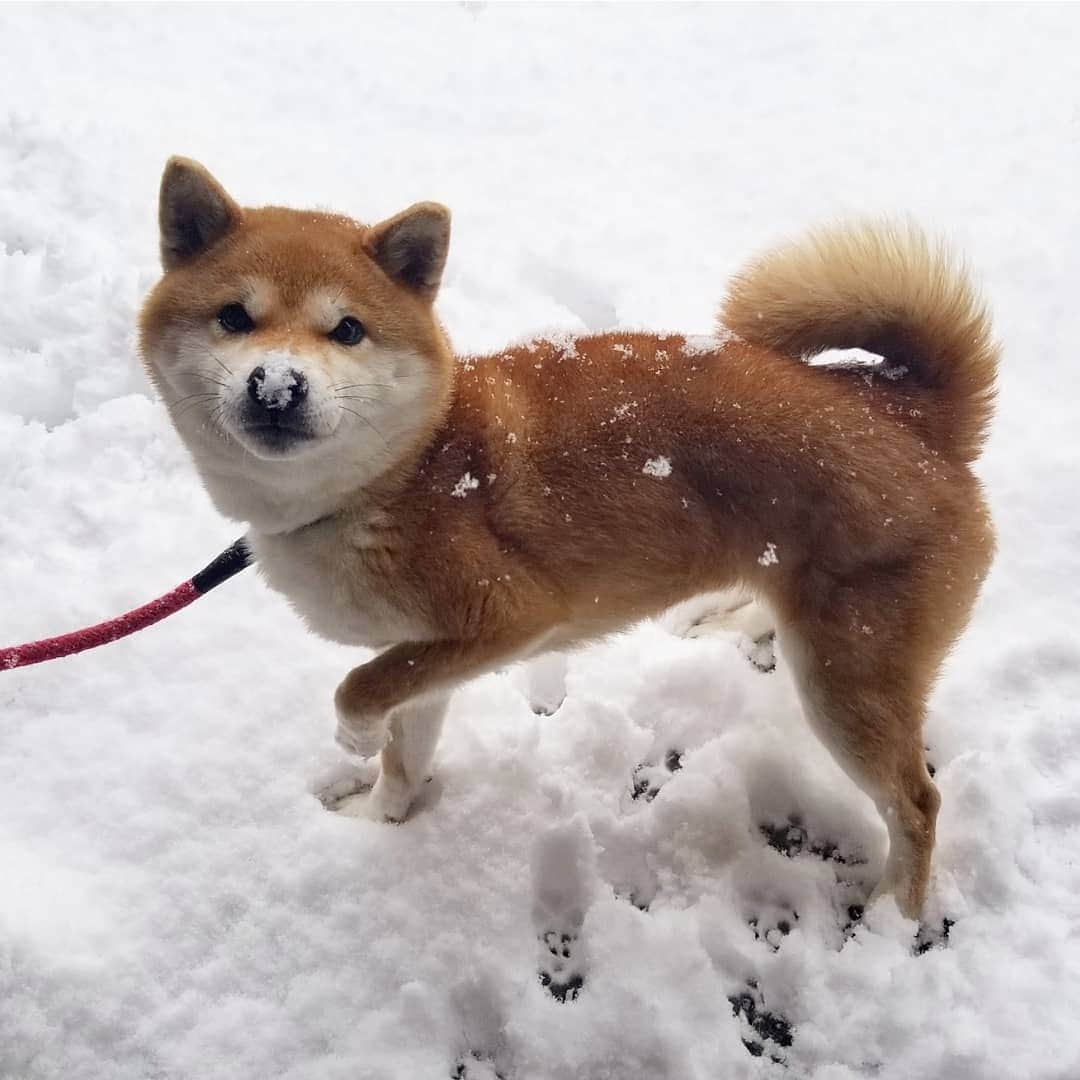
(298, 352)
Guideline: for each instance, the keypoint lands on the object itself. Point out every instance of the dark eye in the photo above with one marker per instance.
(349, 331)
(235, 319)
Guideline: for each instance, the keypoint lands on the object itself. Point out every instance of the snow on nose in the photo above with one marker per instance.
(276, 383)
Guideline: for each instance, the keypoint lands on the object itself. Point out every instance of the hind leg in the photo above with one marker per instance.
(910, 810)
(868, 711)
(731, 611)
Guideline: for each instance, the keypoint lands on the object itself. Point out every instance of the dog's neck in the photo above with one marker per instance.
(276, 505)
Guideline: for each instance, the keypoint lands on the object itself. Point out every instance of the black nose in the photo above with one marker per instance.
(279, 391)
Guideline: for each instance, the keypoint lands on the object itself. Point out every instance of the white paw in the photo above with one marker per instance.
(364, 735)
(386, 802)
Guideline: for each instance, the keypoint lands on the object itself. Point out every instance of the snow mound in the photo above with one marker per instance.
(634, 863)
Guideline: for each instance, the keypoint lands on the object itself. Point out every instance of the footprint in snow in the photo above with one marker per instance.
(764, 1032)
(793, 840)
(559, 969)
(564, 876)
(933, 937)
(761, 652)
(344, 780)
(624, 859)
(474, 1066)
(546, 683)
(773, 923)
(648, 778)
(481, 1017)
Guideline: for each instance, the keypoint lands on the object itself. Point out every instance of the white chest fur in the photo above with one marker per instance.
(323, 572)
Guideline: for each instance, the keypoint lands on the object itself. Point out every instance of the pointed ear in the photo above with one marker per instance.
(194, 211)
(411, 246)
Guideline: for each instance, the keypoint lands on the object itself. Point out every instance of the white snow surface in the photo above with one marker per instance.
(173, 901)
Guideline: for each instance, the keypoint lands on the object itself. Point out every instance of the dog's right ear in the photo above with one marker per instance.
(411, 246)
(194, 211)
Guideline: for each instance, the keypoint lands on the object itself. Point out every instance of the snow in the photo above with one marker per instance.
(660, 467)
(467, 483)
(274, 390)
(173, 901)
(704, 344)
(769, 557)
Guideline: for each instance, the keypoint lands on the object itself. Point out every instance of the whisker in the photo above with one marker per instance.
(193, 404)
(382, 386)
(214, 423)
(210, 378)
(363, 385)
(218, 360)
(188, 397)
(343, 408)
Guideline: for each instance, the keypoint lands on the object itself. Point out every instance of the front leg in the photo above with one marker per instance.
(415, 669)
(405, 763)
(396, 703)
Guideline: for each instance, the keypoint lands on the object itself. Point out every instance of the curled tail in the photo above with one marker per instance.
(883, 288)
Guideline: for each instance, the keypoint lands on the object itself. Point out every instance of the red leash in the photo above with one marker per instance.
(227, 564)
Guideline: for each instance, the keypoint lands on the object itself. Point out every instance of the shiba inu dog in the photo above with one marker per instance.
(458, 513)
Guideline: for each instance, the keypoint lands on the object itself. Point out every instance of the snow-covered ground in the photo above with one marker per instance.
(173, 901)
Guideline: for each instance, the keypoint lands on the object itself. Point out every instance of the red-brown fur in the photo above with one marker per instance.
(842, 497)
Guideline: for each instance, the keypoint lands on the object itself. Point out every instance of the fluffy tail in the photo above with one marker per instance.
(885, 289)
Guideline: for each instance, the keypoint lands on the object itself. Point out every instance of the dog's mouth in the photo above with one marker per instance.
(274, 435)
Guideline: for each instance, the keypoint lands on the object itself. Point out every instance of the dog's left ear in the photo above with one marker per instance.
(194, 211)
(411, 246)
